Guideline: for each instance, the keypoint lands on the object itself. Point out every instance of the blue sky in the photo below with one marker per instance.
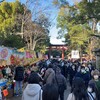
(54, 12)
(70, 1)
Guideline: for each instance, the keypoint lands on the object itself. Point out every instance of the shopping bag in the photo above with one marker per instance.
(5, 92)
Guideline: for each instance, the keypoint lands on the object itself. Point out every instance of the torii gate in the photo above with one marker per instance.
(58, 47)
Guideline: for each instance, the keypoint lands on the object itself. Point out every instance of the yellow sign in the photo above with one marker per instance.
(21, 50)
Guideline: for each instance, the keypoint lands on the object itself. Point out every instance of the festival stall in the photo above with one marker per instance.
(9, 57)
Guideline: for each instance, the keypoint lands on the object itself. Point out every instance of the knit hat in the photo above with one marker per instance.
(95, 72)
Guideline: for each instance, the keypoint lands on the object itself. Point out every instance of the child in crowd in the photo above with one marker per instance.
(95, 74)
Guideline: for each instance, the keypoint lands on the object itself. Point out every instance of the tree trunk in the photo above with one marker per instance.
(22, 29)
(31, 43)
(94, 25)
(91, 48)
(34, 44)
(81, 53)
(92, 40)
(28, 45)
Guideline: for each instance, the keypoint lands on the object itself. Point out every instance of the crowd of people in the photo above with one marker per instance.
(48, 80)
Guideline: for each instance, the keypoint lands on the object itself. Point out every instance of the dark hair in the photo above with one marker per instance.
(79, 89)
(50, 65)
(50, 92)
(92, 85)
(33, 78)
(94, 89)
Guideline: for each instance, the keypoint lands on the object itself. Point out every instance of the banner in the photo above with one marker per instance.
(5, 53)
(16, 56)
(10, 56)
(29, 54)
(75, 54)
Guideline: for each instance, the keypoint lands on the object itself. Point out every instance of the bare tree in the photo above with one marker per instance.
(33, 34)
(33, 22)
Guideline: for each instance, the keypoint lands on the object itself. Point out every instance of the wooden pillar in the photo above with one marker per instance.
(49, 53)
(62, 53)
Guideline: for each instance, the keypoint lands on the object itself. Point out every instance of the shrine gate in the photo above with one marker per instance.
(57, 47)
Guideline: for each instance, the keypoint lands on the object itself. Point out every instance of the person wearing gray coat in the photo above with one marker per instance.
(60, 81)
(49, 76)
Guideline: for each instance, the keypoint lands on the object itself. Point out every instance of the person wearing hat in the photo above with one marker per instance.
(95, 74)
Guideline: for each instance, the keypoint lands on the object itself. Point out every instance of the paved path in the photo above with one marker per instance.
(65, 95)
(67, 92)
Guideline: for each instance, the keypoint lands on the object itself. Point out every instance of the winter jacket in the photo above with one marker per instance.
(84, 76)
(97, 85)
(71, 96)
(32, 92)
(72, 72)
(19, 73)
(60, 79)
(49, 76)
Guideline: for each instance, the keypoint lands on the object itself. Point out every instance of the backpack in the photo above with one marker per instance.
(61, 87)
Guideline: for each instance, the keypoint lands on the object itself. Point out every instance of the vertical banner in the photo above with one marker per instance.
(16, 56)
(5, 54)
(75, 54)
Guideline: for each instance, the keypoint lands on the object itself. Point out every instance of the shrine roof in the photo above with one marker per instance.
(58, 45)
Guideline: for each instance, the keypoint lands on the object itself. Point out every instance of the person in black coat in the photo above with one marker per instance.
(72, 72)
(60, 81)
(84, 74)
(19, 77)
